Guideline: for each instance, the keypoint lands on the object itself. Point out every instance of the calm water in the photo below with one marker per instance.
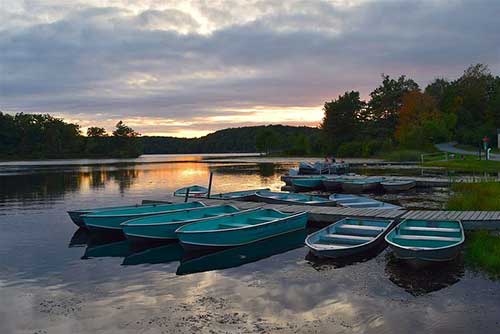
(57, 279)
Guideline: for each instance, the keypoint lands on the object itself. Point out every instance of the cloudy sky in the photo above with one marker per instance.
(186, 68)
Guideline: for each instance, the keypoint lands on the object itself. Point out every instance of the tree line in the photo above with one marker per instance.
(42, 136)
(399, 114)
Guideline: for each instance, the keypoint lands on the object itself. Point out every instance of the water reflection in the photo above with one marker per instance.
(235, 257)
(423, 280)
(162, 254)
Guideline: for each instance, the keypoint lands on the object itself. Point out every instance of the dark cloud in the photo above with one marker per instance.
(189, 64)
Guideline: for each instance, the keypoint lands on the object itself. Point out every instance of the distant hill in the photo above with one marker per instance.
(234, 140)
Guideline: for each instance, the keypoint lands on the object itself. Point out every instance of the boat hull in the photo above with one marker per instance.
(307, 184)
(359, 187)
(420, 256)
(288, 202)
(398, 187)
(104, 222)
(220, 239)
(332, 184)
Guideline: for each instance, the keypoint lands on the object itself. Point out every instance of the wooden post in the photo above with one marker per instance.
(187, 195)
(210, 184)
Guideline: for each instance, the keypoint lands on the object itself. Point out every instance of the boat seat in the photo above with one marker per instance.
(362, 227)
(232, 225)
(346, 238)
(426, 237)
(430, 229)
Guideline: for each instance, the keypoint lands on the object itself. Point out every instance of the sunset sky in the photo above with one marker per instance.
(187, 68)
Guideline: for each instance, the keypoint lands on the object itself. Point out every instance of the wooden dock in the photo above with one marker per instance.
(471, 220)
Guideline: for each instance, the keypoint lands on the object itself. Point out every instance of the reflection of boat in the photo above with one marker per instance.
(327, 263)
(112, 249)
(244, 195)
(162, 254)
(239, 228)
(361, 185)
(111, 220)
(423, 280)
(162, 227)
(423, 241)
(76, 215)
(238, 256)
(348, 237)
(79, 238)
(289, 198)
(353, 201)
(392, 186)
(307, 183)
(194, 191)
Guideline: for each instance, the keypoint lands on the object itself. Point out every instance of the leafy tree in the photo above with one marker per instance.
(266, 140)
(420, 123)
(124, 131)
(340, 123)
(386, 100)
(95, 131)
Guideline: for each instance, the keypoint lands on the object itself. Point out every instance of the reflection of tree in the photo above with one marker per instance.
(266, 169)
(422, 280)
(53, 184)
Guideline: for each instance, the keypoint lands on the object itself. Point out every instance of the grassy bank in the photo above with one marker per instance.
(468, 164)
(483, 252)
(475, 196)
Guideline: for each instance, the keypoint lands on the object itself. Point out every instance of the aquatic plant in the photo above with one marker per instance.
(475, 196)
(483, 252)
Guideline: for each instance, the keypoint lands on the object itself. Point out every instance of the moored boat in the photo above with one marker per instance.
(162, 254)
(393, 186)
(110, 220)
(354, 201)
(244, 195)
(162, 227)
(273, 197)
(361, 185)
(307, 183)
(426, 241)
(76, 215)
(194, 191)
(332, 183)
(240, 228)
(348, 237)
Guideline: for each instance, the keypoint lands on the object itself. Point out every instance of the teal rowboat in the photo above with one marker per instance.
(111, 220)
(424, 241)
(162, 227)
(194, 191)
(239, 228)
(244, 195)
(290, 198)
(348, 237)
(237, 256)
(308, 183)
(354, 201)
(76, 215)
(361, 185)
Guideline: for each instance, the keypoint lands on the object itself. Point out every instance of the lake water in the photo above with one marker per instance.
(55, 278)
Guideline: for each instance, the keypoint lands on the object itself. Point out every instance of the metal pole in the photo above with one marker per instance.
(187, 195)
(210, 184)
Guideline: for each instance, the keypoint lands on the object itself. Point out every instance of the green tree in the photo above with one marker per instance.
(95, 131)
(266, 140)
(341, 121)
(124, 131)
(382, 112)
